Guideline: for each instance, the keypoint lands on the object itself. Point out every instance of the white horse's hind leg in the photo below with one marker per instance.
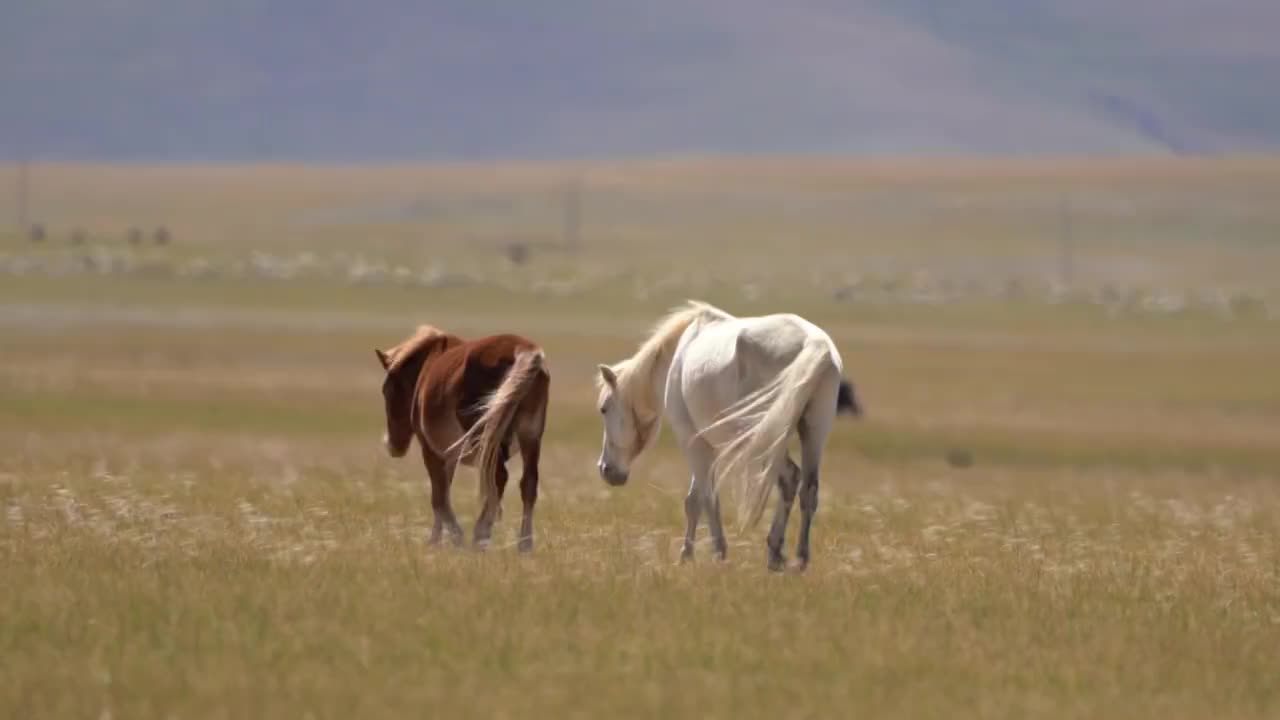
(712, 502)
(788, 480)
(814, 429)
(808, 507)
(692, 510)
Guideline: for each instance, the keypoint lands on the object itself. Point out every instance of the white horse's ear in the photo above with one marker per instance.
(609, 376)
(383, 358)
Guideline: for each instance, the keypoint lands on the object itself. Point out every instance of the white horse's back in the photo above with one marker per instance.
(723, 363)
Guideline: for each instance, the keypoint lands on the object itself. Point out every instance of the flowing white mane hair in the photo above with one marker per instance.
(636, 382)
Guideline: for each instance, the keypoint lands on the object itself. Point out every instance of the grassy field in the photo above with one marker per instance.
(199, 521)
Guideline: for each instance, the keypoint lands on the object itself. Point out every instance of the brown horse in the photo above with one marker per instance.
(465, 401)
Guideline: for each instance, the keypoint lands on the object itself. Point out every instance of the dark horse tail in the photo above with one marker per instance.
(846, 401)
(489, 433)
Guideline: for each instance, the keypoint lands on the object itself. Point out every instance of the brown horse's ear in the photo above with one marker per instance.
(383, 358)
(609, 376)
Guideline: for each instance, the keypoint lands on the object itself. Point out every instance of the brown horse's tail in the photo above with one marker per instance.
(499, 411)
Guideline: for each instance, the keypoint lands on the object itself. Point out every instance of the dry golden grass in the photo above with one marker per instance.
(249, 578)
(196, 519)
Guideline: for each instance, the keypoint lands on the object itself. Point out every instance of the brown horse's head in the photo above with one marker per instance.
(404, 364)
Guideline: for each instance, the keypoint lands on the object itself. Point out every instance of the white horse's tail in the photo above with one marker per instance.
(486, 437)
(764, 421)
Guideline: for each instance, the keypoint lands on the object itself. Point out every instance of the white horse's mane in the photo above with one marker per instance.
(635, 374)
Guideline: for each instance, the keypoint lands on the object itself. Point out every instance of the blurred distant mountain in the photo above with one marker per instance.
(429, 79)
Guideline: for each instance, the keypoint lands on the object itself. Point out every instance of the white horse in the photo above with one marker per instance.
(734, 390)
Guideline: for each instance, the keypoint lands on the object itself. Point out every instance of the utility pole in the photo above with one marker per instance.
(572, 219)
(1066, 243)
(23, 195)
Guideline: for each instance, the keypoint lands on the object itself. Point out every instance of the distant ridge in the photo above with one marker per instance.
(324, 80)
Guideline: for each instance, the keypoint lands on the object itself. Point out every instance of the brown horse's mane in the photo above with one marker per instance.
(423, 338)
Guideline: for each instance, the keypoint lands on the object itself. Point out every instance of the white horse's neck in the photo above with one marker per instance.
(648, 392)
(643, 377)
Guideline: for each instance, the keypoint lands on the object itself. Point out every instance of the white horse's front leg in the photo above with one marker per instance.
(700, 498)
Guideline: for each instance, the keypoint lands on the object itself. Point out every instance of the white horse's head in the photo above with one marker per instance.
(631, 392)
(626, 433)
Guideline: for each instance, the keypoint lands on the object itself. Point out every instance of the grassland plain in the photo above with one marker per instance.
(198, 520)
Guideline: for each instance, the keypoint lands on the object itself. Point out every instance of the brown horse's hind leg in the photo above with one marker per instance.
(491, 512)
(441, 475)
(530, 449)
(529, 434)
(502, 477)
